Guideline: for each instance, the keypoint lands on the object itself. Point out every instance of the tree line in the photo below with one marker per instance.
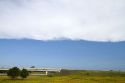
(15, 72)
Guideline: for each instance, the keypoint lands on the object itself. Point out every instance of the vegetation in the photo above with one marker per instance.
(13, 72)
(73, 76)
(16, 72)
(24, 73)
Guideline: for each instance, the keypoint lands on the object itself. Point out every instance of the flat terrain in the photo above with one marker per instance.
(72, 76)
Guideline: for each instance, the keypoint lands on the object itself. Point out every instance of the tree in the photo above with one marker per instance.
(13, 72)
(24, 73)
(32, 67)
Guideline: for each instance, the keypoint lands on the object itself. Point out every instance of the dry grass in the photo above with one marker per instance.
(77, 77)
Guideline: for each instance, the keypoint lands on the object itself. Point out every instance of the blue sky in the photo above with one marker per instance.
(63, 53)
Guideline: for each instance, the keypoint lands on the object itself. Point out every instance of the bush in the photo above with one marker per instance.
(50, 75)
(24, 73)
(64, 72)
(13, 72)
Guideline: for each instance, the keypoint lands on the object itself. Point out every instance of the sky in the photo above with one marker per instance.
(81, 34)
(93, 20)
(62, 54)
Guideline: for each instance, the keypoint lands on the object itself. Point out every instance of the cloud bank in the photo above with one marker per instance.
(93, 20)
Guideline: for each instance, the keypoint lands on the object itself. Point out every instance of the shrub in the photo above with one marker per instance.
(50, 75)
(24, 73)
(13, 72)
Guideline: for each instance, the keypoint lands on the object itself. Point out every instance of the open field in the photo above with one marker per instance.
(72, 76)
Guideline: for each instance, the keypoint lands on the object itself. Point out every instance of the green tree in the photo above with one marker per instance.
(13, 72)
(24, 73)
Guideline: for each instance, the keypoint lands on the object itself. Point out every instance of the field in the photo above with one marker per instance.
(72, 76)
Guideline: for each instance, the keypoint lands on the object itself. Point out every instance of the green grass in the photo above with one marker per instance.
(72, 76)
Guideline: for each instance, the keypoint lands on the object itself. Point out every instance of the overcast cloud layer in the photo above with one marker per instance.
(93, 20)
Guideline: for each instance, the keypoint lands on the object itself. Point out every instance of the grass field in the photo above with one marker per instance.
(72, 76)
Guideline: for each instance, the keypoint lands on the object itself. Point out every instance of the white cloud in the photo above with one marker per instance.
(93, 20)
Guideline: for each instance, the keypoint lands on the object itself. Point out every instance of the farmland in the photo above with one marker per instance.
(72, 76)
